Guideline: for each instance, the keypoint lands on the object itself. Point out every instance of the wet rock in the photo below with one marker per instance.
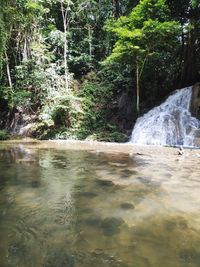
(170, 225)
(94, 221)
(190, 256)
(180, 151)
(144, 180)
(140, 154)
(195, 102)
(117, 164)
(105, 183)
(127, 173)
(127, 206)
(111, 225)
(82, 259)
(35, 183)
(17, 249)
(179, 223)
(60, 259)
(197, 138)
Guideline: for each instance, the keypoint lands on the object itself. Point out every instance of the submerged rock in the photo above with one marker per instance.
(106, 183)
(60, 259)
(127, 206)
(111, 225)
(128, 173)
(176, 223)
(82, 259)
(93, 221)
(190, 256)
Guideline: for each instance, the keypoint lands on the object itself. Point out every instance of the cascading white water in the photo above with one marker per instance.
(171, 123)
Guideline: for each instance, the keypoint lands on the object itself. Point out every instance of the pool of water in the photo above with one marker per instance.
(92, 209)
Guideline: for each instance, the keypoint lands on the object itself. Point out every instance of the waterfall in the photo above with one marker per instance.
(171, 123)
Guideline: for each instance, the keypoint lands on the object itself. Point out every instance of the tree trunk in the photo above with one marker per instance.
(90, 41)
(117, 11)
(139, 71)
(65, 61)
(8, 70)
(189, 74)
(137, 89)
(64, 16)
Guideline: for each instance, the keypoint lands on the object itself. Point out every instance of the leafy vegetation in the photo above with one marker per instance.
(85, 69)
(4, 135)
(145, 35)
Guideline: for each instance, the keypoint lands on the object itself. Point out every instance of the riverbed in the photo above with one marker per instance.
(84, 204)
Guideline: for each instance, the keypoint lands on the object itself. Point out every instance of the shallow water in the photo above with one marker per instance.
(83, 209)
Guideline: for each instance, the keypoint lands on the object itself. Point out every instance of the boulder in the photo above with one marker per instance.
(195, 102)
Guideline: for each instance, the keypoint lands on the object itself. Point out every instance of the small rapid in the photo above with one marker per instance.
(171, 123)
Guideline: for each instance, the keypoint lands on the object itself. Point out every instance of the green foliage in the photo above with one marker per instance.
(5, 92)
(85, 116)
(144, 33)
(147, 38)
(3, 41)
(43, 130)
(67, 112)
(15, 98)
(96, 97)
(149, 10)
(4, 135)
(187, 13)
(21, 98)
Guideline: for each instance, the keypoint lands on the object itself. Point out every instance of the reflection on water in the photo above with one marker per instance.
(80, 209)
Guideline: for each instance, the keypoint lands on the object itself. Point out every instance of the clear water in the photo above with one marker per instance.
(80, 209)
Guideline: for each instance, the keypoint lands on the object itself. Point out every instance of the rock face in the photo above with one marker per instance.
(195, 109)
(195, 102)
(22, 122)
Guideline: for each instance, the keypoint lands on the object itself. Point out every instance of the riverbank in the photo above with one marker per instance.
(105, 147)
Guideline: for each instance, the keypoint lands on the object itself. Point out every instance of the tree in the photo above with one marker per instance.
(188, 14)
(3, 40)
(144, 34)
(65, 10)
